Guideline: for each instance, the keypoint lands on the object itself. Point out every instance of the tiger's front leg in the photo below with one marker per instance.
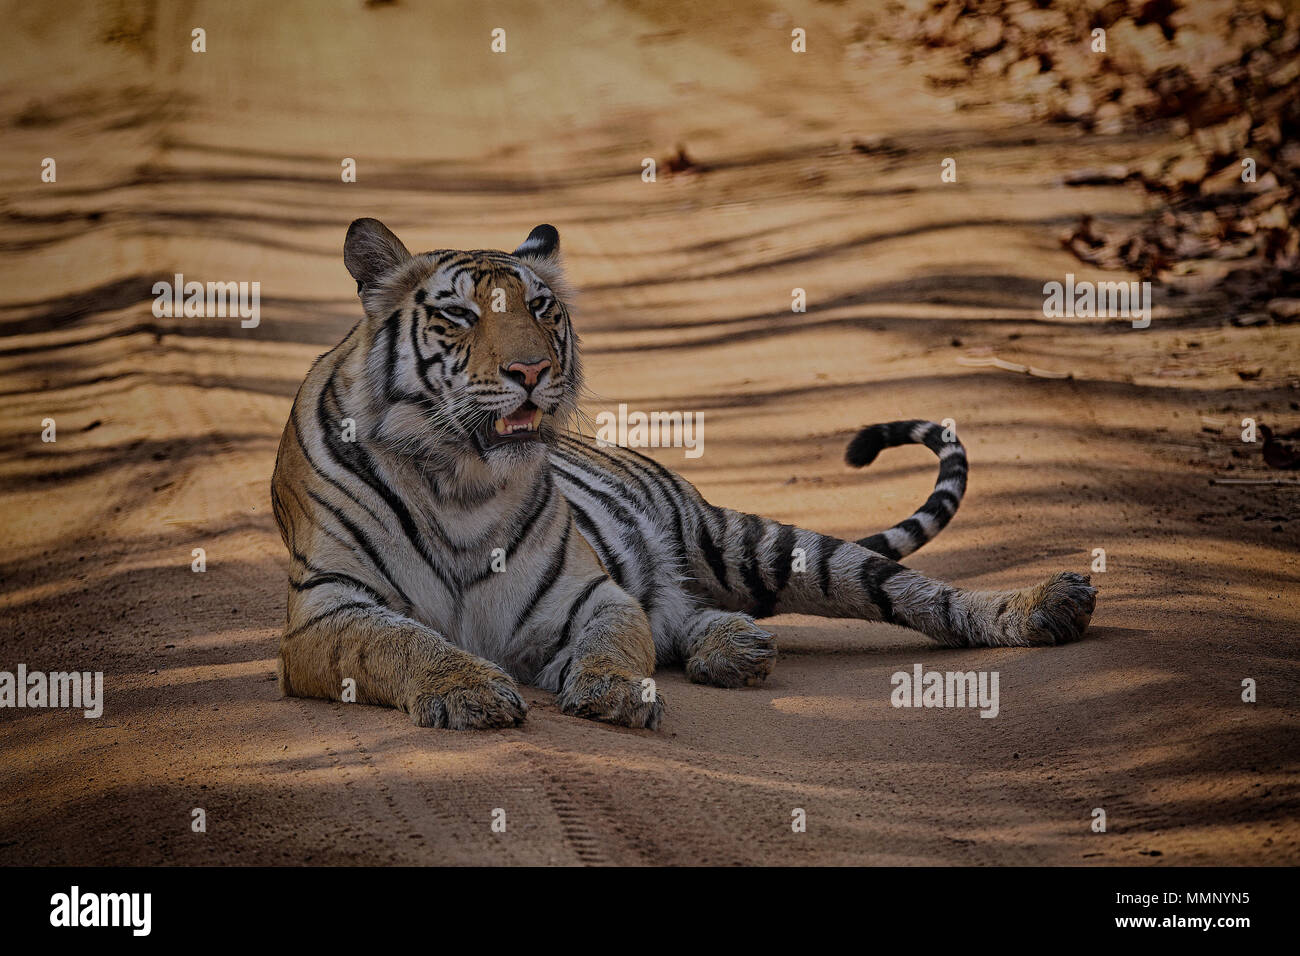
(604, 673)
(393, 661)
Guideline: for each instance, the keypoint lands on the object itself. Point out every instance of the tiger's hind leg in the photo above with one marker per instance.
(721, 648)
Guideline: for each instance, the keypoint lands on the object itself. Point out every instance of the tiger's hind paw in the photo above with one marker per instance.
(1058, 610)
(731, 651)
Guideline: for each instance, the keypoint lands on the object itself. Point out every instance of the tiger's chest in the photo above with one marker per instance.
(495, 594)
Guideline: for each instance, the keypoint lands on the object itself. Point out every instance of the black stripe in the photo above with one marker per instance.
(945, 609)
(782, 559)
(315, 571)
(541, 503)
(336, 609)
(575, 608)
(874, 573)
(403, 604)
(900, 433)
(913, 529)
(590, 531)
(666, 501)
(631, 535)
(684, 499)
(328, 478)
(763, 597)
(711, 553)
(933, 439)
(880, 544)
(941, 505)
(609, 501)
(549, 577)
(954, 466)
(351, 456)
(390, 389)
(335, 577)
(579, 448)
(827, 548)
(421, 363)
(363, 542)
(281, 515)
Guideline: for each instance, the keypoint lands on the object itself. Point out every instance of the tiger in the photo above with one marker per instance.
(452, 535)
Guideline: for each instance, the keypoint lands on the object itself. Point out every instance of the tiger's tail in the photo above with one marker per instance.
(928, 520)
(761, 567)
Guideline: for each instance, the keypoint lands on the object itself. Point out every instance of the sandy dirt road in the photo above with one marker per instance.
(226, 166)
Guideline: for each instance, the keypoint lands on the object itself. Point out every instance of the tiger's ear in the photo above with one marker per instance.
(370, 250)
(541, 251)
(542, 243)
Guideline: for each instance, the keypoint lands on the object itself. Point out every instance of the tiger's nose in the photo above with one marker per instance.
(527, 373)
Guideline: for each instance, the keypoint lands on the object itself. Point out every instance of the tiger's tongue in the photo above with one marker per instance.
(521, 416)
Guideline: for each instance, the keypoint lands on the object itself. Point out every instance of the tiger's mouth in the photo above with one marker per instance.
(521, 425)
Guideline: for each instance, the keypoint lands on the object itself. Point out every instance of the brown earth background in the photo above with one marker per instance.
(225, 165)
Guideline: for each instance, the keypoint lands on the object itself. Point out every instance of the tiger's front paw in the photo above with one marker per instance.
(732, 651)
(467, 693)
(607, 693)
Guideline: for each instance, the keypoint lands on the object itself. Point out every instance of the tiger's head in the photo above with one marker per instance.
(472, 354)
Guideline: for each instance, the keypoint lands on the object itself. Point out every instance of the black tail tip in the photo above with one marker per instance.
(866, 445)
